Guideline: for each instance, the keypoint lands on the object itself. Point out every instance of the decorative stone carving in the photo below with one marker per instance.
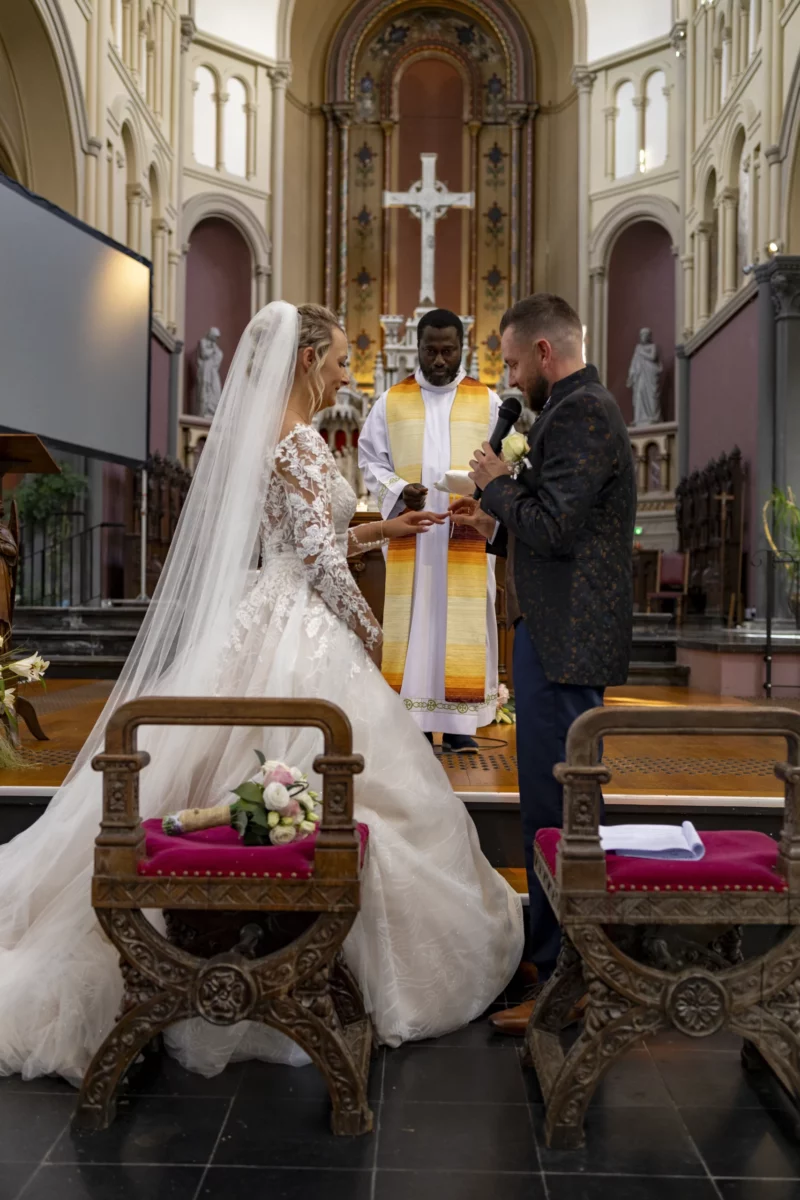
(208, 360)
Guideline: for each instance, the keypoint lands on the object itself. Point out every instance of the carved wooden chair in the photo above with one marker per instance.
(657, 945)
(210, 887)
(672, 581)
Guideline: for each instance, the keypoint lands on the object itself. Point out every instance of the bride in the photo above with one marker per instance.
(257, 599)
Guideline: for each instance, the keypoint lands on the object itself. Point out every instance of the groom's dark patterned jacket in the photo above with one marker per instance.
(572, 515)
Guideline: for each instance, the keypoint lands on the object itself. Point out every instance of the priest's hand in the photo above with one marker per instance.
(414, 496)
(486, 466)
(410, 523)
(469, 512)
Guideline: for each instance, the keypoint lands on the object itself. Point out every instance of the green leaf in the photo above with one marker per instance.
(255, 837)
(250, 792)
(258, 816)
(240, 823)
(262, 758)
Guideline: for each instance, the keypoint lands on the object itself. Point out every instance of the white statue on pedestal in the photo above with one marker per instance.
(208, 359)
(644, 376)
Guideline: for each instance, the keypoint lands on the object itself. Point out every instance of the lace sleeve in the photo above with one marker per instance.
(302, 464)
(356, 548)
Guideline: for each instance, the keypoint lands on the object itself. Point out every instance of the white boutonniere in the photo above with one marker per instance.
(515, 447)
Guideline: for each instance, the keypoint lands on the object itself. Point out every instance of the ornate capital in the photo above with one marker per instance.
(785, 287)
(583, 79)
(94, 147)
(343, 114)
(160, 225)
(279, 75)
(135, 192)
(704, 228)
(516, 114)
(597, 272)
(639, 102)
(772, 154)
(262, 272)
(188, 33)
(729, 196)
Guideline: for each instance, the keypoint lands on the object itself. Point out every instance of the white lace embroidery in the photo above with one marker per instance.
(308, 511)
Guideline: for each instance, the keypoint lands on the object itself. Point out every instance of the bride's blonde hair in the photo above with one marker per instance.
(317, 324)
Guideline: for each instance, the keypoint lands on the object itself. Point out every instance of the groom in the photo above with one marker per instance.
(566, 529)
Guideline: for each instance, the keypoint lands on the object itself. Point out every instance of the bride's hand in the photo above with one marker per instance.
(469, 512)
(410, 523)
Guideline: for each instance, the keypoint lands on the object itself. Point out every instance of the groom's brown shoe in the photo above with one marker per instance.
(513, 1022)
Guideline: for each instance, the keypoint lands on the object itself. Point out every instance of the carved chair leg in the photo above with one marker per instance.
(771, 1041)
(551, 1013)
(309, 1018)
(135, 1029)
(345, 993)
(612, 1025)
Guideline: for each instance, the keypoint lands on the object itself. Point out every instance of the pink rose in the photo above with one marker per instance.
(279, 774)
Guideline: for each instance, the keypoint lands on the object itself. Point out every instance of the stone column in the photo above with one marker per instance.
(764, 475)
(279, 78)
(516, 115)
(127, 33)
(682, 401)
(773, 157)
(174, 262)
(160, 230)
(729, 206)
(597, 343)
(221, 99)
(530, 189)
(687, 263)
(726, 64)
(705, 302)
(344, 116)
(251, 112)
(262, 285)
(135, 198)
(640, 105)
(584, 80)
(159, 58)
(330, 187)
(610, 113)
(785, 289)
(752, 32)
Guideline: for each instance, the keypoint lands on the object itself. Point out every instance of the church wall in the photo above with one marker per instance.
(555, 250)
(641, 292)
(304, 208)
(614, 25)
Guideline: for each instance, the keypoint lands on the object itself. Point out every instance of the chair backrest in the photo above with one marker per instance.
(672, 570)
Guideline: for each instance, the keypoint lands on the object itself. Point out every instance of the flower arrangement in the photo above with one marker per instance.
(515, 447)
(506, 709)
(13, 672)
(273, 809)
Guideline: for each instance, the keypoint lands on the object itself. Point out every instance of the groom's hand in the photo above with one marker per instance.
(469, 512)
(486, 466)
(414, 496)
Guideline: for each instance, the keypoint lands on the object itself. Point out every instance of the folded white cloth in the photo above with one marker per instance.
(653, 841)
(457, 483)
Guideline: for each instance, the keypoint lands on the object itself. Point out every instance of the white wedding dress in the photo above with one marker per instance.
(439, 934)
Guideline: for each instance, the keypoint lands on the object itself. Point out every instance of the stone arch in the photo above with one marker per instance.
(54, 130)
(639, 208)
(365, 14)
(126, 115)
(228, 208)
(398, 66)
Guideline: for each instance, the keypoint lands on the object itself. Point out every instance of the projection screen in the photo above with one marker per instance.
(74, 332)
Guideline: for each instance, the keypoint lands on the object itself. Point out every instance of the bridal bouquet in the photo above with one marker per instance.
(273, 809)
(506, 709)
(13, 672)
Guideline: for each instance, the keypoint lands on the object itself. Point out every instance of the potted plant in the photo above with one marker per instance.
(785, 531)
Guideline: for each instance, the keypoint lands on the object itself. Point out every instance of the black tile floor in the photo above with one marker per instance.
(458, 1119)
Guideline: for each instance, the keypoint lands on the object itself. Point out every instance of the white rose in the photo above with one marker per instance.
(282, 835)
(503, 695)
(296, 774)
(515, 447)
(308, 827)
(276, 797)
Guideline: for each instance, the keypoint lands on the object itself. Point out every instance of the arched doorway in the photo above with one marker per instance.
(641, 294)
(219, 289)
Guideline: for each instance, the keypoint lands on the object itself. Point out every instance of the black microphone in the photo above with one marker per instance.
(510, 411)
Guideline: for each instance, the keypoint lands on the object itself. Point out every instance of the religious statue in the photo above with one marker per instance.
(644, 376)
(208, 359)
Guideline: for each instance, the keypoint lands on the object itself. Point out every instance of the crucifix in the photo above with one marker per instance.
(428, 199)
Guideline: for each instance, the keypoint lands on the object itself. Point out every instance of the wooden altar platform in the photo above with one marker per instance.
(661, 767)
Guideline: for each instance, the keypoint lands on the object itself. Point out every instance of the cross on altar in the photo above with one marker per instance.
(428, 199)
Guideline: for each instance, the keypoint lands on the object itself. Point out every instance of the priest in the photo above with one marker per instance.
(439, 625)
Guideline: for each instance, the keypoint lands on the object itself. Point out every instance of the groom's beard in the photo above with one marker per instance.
(538, 394)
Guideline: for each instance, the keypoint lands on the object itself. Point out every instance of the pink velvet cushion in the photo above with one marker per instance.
(735, 860)
(215, 852)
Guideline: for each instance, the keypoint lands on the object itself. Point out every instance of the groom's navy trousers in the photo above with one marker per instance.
(545, 712)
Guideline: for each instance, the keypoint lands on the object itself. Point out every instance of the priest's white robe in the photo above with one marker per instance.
(423, 681)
